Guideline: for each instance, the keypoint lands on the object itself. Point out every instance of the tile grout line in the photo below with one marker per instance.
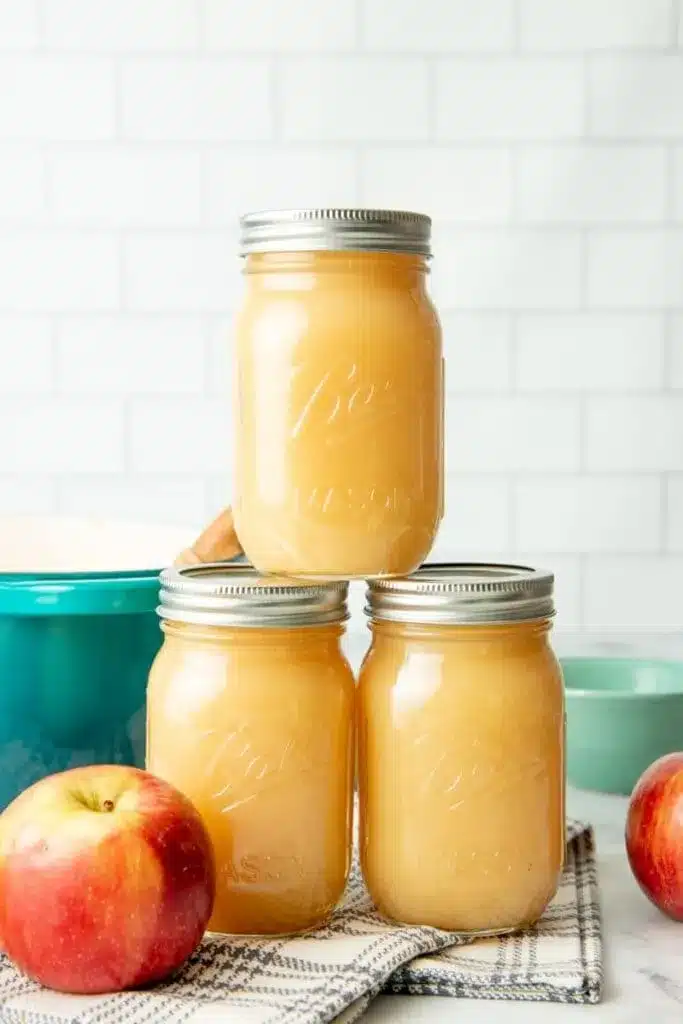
(453, 231)
(516, 28)
(675, 25)
(584, 280)
(512, 525)
(208, 329)
(664, 513)
(122, 250)
(492, 144)
(41, 23)
(582, 566)
(119, 128)
(359, 173)
(587, 117)
(204, 154)
(513, 355)
(59, 483)
(275, 73)
(202, 28)
(667, 352)
(55, 347)
(432, 71)
(583, 412)
(670, 159)
(249, 54)
(358, 34)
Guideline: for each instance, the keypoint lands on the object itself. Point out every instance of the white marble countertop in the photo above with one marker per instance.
(643, 949)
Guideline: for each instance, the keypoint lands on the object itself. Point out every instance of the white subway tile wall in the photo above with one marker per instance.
(115, 187)
(352, 98)
(595, 24)
(121, 25)
(545, 137)
(48, 98)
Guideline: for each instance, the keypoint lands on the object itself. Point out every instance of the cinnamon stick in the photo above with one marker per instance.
(217, 543)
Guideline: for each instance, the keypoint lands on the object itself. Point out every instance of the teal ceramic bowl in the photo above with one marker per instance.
(75, 651)
(622, 714)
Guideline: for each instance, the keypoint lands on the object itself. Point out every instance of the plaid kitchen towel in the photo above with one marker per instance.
(332, 974)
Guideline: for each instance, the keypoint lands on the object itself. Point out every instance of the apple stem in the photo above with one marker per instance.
(108, 805)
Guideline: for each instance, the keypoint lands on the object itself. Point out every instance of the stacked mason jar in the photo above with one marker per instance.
(253, 710)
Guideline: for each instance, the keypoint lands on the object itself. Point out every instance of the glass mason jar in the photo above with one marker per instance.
(339, 395)
(461, 749)
(250, 714)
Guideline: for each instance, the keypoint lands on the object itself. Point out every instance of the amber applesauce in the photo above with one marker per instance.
(461, 750)
(250, 714)
(339, 395)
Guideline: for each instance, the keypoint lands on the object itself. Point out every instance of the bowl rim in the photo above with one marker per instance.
(620, 694)
(90, 595)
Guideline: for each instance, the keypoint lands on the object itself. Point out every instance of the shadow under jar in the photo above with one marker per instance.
(250, 714)
(461, 749)
(339, 395)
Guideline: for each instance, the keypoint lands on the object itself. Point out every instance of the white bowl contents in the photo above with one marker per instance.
(36, 544)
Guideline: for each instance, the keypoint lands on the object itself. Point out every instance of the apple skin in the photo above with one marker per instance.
(654, 834)
(107, 879)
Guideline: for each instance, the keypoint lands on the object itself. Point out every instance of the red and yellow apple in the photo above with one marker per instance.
(654, 834)
(107, 879)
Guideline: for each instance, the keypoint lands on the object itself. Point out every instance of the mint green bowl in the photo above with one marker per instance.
(622, 714)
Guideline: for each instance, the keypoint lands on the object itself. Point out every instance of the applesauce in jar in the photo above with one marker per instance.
(339, 394)
(250, 714)
(461, 748)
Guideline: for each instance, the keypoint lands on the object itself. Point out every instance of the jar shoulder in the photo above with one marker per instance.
(202, 672)
(299, 316)
(443, 665)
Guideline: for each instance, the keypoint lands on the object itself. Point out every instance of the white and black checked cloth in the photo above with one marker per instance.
(333, 973)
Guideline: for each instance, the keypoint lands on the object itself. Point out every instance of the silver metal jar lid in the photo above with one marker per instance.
(228, 594)
(463, 594)
(334, 230)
